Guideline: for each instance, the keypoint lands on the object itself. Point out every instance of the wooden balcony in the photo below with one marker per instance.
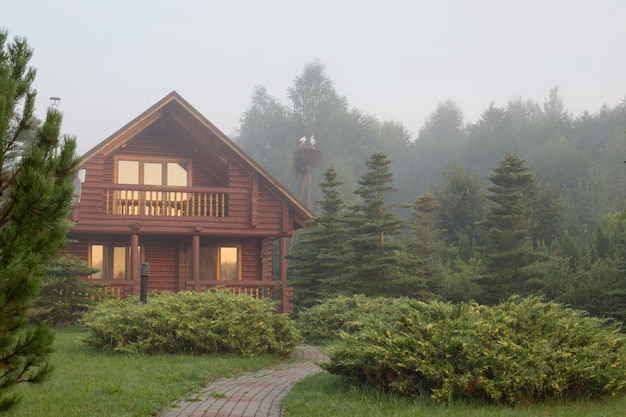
(132, 200)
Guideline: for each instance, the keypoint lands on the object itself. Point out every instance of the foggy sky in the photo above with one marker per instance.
(109, 61)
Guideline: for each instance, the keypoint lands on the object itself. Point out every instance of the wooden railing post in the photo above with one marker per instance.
(134, 259)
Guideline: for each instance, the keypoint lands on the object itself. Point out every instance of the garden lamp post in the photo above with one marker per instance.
(144, 272)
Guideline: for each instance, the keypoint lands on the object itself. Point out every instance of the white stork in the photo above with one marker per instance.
(313, 141)
(301, 141)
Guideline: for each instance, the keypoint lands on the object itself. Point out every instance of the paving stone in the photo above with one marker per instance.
(256, 394)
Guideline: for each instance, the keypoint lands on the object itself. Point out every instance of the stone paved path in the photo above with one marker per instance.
(252, 395)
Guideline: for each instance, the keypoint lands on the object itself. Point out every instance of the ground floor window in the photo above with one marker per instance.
(112, 260)
(229, 263)
(207, 263)
(219, 262)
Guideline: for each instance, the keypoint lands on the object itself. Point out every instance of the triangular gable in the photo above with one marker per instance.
(174, 106)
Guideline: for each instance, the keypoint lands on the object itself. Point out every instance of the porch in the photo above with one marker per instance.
(275, 290)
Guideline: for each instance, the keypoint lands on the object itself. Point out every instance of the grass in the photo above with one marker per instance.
(325, 394)
(87, 382)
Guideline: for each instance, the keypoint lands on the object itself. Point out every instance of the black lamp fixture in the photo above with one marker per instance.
(54, 101)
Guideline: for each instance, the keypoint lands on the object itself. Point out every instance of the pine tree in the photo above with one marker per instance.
(319, 256)
(378, 259)
(35, 194)
(509, 220)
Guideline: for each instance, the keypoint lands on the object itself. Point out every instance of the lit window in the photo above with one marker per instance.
(137, 172)
(113, 261)
(229, 263)
(152, 173)
(177, 174)
(127, 172)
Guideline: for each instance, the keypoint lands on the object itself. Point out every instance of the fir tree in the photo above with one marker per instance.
(509, 220)
(35, 194)
(427, 244)
(461, 197)
(63, 295)
(466, 247)
(319, 256)
(378, 260)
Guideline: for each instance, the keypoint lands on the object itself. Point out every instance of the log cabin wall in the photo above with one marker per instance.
(91, 202)
(268, 206)
(78, 249)
(251, 259)
(162, 255)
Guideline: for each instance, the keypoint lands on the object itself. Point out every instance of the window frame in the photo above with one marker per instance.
(108, 267)
(153, 160)
(218, 261)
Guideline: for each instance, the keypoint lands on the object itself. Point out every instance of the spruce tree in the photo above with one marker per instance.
(461, 196)
(319, 256)
(509, 221)
(427, 243)
(378, 261)
(35, 194)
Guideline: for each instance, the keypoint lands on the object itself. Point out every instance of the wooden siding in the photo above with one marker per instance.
(266, 259)
(91, 204)
(251, 259)
(163, 260)
(79, 250)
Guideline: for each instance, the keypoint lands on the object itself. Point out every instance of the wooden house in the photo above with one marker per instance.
(172, 190)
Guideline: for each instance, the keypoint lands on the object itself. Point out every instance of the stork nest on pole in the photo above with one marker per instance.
(306, 160)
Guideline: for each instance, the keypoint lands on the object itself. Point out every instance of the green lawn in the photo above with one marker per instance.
(88, 383)
(324, 394)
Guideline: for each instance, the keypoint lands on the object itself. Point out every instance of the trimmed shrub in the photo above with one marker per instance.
(518, 352)
(344, 314)
(191, 322)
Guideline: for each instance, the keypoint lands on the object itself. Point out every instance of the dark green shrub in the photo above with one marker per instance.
(520, 351)
(191, 322)
(63, 296)
(343, 314)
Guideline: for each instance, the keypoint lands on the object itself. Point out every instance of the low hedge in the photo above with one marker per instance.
(333, 316)
(521, 351)
(191, 322)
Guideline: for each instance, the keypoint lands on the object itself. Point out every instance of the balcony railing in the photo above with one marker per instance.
(169, 202)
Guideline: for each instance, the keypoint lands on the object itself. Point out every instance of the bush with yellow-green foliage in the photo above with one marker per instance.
(191, 322)
(517, 352)
(332, 316)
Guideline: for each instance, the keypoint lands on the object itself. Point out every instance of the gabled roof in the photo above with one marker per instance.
(174, 109)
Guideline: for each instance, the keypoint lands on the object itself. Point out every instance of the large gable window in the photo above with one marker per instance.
(148, 172)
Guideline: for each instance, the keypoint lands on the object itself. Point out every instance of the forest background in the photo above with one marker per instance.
(578, 185)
